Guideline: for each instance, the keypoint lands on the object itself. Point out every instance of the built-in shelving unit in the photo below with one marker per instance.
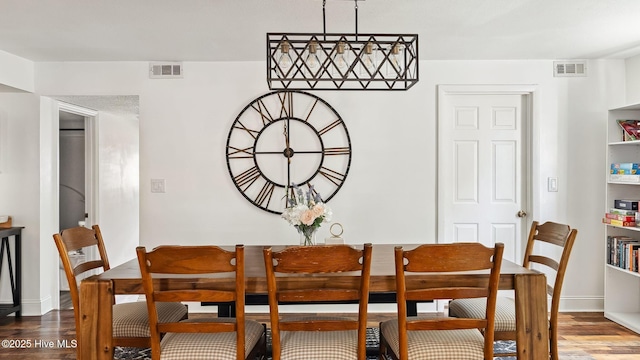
(621, 287)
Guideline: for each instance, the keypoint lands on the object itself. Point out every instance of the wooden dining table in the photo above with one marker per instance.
(96, 295)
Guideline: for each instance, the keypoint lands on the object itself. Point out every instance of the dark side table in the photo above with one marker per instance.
(14, 272)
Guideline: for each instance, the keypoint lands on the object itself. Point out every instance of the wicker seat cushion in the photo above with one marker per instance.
(132, 319)
(436, 344)
(475, 308)
(201, 346)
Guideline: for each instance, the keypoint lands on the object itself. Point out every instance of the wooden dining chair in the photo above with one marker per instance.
(328, 273)
(441, 337)
(130, 320)
(216, 338)
(558, 236)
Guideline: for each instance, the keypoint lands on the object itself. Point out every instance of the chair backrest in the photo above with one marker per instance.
(192, 263)
(444, 258)
(74, 239)
(332, 261)
(555, 234)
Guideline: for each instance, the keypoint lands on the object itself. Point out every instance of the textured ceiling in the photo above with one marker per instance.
(119, 105)
(234, 30)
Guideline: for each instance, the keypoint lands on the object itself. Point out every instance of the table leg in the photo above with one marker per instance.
(95, 333)
(227, 310)
(17, 296)
(532, 337)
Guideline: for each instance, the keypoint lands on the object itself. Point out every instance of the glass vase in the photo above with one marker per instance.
(307, 235)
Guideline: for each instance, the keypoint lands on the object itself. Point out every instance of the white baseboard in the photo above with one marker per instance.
(581, 303)
(36, 307)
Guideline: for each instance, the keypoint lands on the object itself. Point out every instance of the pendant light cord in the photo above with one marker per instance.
(356, 11)
(324, 20)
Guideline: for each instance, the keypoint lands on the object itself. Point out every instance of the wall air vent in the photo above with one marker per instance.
(570, 68)
(165, 70)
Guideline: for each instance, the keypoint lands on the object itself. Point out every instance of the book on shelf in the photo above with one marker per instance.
(626, 178)
(631, 262)
(626, 204)
(622, 252)
(625, 168)
(628, 250)
(615, 222)
(622, 211)
(630, 129)
(612, 248)
(625, 218)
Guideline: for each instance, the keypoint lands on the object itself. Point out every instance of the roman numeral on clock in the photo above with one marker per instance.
(337, 151)
(335, 177)
(265, 194)
(247, 177)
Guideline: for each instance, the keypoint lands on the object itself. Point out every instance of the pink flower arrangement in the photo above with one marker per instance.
(306, 212)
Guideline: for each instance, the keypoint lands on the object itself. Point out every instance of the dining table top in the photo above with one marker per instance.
(126, 277)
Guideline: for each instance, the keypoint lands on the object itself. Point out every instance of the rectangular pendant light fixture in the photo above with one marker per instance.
(321, 61)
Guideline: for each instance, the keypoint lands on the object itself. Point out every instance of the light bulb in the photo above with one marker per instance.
(394, 64)
(284, 62)
(312, 61)
(368, 61)
(340, 62)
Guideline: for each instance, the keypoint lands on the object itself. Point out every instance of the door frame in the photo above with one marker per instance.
(531, 164)
(91, 173)
(91, 157)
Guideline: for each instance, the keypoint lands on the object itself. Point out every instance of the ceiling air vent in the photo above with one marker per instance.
(570, 68)
(165, 70)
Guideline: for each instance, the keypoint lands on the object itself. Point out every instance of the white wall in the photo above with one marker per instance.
(119, 185)
(20, 188)
(582, 106)
(16, 73)
(390, 192)
(633, 80)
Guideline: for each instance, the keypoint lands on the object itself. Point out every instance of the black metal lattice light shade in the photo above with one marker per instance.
(298, 61)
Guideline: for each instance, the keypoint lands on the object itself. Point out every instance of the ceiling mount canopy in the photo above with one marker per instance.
(299, 61)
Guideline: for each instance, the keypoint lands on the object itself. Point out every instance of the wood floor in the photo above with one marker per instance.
(51, 336)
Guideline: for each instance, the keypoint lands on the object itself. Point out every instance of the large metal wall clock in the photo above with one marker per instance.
(283, 138)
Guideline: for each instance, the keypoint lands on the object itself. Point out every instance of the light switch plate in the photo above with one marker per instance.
(157, 185)
(552, 184)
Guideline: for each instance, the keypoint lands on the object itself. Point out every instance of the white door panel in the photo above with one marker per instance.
(465, 163)
(481, 167)
(465, 232)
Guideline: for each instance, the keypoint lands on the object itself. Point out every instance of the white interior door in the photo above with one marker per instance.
(482, 189)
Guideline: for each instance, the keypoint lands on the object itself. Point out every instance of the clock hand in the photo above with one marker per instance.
(286, 139)
(288, 170)
(286, 135)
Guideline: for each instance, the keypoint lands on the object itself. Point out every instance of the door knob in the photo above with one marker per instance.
(522, 213)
